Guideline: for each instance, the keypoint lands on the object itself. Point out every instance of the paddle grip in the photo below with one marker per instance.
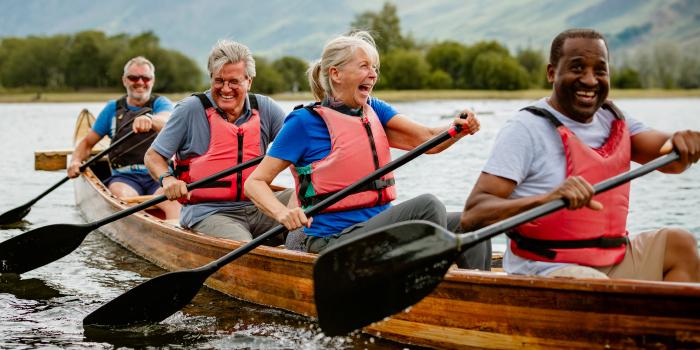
(453, 131)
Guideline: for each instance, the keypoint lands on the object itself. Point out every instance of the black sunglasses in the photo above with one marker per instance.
(135, 78)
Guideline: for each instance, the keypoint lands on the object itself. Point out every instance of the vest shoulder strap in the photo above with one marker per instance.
(544, 114)
(609, 105)
(152, 100)
(311, 107)
(121, 104)
(206, 103)
(253, 101)
(204, 100)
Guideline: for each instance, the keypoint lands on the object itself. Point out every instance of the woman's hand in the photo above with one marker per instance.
(468, 122)
(293, 218)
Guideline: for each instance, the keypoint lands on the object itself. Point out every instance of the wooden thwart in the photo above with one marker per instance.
(51, 160)
(57, 159)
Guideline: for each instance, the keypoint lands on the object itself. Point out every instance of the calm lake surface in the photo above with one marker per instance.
(45, 308)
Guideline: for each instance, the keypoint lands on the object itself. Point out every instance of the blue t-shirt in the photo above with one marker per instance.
(304, 139)
(106, 122)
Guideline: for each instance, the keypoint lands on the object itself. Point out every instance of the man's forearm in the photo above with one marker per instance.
(485, 209)
(157, 165)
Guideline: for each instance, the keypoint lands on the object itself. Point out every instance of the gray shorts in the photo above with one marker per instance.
(244, 223)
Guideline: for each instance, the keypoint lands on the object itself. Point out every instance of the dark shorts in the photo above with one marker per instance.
(142, 183)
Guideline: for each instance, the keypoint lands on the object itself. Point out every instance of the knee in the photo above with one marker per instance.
(431, 201)
(433, 208)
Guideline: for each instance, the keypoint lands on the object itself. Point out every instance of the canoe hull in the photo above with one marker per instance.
(469, 309)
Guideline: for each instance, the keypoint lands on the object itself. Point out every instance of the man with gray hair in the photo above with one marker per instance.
(138, 111)
(212, 131)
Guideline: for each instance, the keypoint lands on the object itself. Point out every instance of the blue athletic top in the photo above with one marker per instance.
(304, 139)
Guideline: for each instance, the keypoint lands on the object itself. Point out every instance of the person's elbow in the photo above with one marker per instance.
(468, 221)
(472, 217)
(152, 158)
(251, 184)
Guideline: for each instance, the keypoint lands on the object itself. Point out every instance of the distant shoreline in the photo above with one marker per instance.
(387, 95)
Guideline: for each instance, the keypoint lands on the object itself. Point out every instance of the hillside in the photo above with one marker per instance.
(300, 27)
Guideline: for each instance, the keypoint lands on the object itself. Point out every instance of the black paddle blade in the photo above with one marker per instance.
(15, 215)
(380, 273)
(151, 301)
(39, 247)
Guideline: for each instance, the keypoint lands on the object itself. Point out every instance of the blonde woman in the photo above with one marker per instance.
(341, 138)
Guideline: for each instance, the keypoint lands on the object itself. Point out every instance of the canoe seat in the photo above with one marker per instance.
(137, 199)
(173, 222)
(131, 201)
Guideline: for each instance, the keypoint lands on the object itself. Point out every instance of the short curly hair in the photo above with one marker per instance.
(555, 51)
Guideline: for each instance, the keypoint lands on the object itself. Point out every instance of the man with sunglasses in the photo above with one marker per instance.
(144, 114)
(212, 131)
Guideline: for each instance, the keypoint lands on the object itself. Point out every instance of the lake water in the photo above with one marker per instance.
(45, 308)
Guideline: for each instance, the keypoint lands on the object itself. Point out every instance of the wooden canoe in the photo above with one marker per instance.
(468, 309)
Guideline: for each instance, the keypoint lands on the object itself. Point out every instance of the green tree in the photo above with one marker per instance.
(293, 71)
(689, 73)
(626, 78)
(535, 65)
(439, 79)
(87, 64)
(465, 79)
(35, 62)
(448, 57)
(385, 27)
(494, 71)
(267, 80)
(404, 69)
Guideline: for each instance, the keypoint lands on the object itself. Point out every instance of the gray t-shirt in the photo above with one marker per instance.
(187, 133)
(528, 150)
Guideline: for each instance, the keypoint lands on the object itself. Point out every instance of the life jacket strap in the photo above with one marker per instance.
(543, 247)
(306, 202)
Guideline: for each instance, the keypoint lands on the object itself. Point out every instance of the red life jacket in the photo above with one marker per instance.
(584, 236)
(229, 145)
(359, 146)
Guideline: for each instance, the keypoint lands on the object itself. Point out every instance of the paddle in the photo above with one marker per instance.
(41, 246)
(380, 273)
(16, 214)
(158, 298)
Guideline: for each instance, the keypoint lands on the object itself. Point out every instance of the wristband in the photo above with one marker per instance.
(163, 176)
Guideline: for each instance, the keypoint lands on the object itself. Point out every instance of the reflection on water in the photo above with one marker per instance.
(27, 288)
(45, 307)
(22, 225)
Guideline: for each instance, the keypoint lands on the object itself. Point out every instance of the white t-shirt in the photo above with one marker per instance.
(529, 151)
